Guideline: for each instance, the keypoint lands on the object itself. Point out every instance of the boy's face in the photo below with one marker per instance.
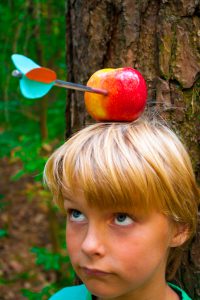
(118, 254)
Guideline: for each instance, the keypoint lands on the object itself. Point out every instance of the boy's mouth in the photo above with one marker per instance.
(94, 272)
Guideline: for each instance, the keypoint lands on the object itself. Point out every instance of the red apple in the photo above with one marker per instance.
(126, 98)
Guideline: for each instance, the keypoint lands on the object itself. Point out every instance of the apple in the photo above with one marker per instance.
(126, 98)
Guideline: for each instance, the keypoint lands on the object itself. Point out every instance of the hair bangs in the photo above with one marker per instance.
(110, 179)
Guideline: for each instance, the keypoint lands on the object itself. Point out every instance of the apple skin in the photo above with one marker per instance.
(126, 98)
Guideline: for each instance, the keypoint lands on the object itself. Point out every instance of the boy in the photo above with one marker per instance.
(131, 201)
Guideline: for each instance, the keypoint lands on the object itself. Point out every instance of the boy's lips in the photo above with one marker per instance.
(94, 272)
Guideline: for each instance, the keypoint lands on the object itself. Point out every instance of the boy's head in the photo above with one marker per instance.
(140, 165)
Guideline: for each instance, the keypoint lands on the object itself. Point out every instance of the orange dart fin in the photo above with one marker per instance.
(41, 74)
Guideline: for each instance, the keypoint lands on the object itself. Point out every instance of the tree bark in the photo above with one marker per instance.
(162, 40)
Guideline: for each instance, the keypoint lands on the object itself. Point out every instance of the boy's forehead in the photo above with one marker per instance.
(77, 197)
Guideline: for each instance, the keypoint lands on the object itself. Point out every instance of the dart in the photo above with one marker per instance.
(124, 102)
(36, 81)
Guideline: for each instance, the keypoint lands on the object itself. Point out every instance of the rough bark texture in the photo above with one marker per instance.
(162, 40)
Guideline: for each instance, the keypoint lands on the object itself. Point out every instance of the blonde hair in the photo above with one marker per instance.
(140, 165)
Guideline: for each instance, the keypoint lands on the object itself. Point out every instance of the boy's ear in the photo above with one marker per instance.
(180, 235)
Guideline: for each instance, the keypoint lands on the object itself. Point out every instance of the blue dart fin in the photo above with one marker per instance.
(23, 63)
(33, 89)
(30, 89)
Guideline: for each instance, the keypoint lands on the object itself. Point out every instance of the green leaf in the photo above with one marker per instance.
(49, 260)
(46, 292)
(18, 175)
(3, 233)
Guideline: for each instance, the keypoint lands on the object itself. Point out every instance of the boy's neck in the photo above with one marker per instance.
(161, 294)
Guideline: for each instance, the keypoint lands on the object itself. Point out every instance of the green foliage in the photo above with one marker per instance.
(43, 295)
(3, 203)
(22, 138)
(35, 29)
(3, 233)
(49, 260)
(23, 275)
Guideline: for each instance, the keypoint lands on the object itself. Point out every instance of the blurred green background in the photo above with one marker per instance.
(34, 261)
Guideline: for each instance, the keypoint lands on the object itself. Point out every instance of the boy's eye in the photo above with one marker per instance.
(123, 219)
(76, 216)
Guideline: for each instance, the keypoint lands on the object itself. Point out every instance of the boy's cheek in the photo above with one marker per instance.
(72, 240)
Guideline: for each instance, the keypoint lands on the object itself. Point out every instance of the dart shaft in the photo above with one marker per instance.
(79, 87)
(69, 85)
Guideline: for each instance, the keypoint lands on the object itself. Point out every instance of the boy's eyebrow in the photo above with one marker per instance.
(68, 199)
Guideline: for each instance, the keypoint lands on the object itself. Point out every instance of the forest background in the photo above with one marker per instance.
(33, 258)
(76, 38)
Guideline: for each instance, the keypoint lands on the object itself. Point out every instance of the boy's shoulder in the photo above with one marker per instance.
(180, 292)
(78, 292)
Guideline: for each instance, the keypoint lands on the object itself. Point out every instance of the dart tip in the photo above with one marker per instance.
(16, 73)
(99, 91)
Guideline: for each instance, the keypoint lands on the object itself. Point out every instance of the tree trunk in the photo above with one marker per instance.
(159, 38)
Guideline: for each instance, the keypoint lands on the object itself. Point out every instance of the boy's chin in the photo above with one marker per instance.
(103, 290)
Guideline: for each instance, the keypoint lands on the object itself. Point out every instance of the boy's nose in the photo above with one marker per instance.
(94, 242)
